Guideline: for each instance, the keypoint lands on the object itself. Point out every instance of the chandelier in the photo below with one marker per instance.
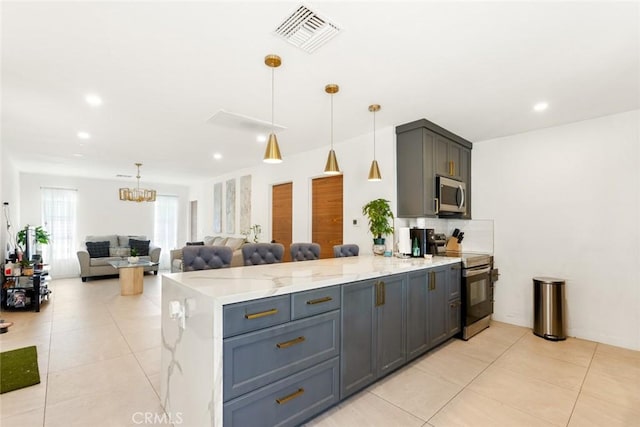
(137, 194)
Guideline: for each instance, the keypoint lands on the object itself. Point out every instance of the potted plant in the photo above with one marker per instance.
(27, 267)
(134, 256)
(42, 237)
(379, 213)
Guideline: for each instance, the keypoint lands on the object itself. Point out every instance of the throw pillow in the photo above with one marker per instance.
(219, 241)
(98, 249)
(142, 246)
(195, 243)
(235, 242)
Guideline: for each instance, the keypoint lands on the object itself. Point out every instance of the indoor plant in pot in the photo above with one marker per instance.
(42, 237)
(379, 215)
(133, 258)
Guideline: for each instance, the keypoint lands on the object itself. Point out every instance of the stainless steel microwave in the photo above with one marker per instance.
(452, 195)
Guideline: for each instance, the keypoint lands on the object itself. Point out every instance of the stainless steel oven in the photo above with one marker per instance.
(477, 294)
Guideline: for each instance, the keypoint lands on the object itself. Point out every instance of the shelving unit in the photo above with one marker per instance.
(26, 292)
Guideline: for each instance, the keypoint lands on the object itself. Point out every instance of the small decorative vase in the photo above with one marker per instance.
(133, 259)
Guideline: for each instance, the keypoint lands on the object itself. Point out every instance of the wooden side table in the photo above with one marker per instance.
(131, 275)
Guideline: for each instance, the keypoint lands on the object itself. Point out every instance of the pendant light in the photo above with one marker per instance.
(332, 168)
(272, 153)
(137, 194)
(374, 171)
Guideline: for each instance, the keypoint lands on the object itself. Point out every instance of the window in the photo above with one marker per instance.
(165, 229)
(59, 219)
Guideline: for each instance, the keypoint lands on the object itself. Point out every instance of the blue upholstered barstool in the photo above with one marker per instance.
(305, 251)
(206, 257)
(262, 253)
(340, 251)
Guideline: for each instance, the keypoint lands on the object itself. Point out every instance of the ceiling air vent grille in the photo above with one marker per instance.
(306, 29)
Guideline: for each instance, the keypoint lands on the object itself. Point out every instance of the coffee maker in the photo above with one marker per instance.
(426, 241)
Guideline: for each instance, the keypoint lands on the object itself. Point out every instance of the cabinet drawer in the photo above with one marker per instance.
(287, 402)
(258, 358)
(309, 303)
(253, 315)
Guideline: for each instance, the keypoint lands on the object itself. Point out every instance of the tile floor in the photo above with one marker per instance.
(99, 358)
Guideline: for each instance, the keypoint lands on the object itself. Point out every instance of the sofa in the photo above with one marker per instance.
(99, 250)
(235, 243)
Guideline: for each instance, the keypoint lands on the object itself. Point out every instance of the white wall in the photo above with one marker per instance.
(9, 189)
(354, 157)
(99, 209)
(565, 203)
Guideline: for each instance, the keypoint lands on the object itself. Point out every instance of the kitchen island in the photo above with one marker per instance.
(201, 338)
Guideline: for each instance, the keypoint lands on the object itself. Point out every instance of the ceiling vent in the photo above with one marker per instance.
(241, 122)
(306, 29)
(123, 176)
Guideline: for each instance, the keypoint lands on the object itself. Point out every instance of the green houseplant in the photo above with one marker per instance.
(380, 218)
(42, 236)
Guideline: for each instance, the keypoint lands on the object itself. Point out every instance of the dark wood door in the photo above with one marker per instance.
(326, 223)
(281, 211)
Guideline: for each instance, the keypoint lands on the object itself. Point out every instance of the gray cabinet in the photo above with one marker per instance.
(454, 282)
(437, 304)
(416, 173)
(417, 312)
(423, 151)
(281, 358)
(283, 350)
(373, 331)
(433, 308)
(287, 402)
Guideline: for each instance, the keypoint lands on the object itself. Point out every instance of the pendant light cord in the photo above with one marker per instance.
(374, 135)
(332, 121)
(273, 128)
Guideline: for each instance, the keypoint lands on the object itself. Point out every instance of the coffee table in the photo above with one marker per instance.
(131, 274)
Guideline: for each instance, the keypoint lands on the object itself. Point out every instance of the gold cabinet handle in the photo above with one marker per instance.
(261, 314)
(383, 293)
(289, 343)
(290, 397)
(432, 280)
(320, 300)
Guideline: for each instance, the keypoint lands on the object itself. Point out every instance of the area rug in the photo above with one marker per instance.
(18, 369)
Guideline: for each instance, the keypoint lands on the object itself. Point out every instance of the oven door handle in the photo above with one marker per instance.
(469, 272)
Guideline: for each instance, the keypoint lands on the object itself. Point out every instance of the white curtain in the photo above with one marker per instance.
(59, 218)
(165, 229)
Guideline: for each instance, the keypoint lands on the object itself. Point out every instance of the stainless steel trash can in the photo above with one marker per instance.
(549, 308)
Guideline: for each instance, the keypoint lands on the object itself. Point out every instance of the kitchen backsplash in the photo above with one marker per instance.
(478, 233)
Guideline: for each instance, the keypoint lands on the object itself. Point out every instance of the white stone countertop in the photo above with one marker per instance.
(231, 285)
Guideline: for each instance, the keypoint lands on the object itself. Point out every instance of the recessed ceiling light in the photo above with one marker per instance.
(84, 135)
(93, 100)
(540, 106)
(217, 156)
(261, 138)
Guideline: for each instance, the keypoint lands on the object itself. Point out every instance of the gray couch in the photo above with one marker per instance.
(235, 243)
(118, 250)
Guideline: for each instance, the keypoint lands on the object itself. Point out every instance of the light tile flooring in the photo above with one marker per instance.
(99, 359)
